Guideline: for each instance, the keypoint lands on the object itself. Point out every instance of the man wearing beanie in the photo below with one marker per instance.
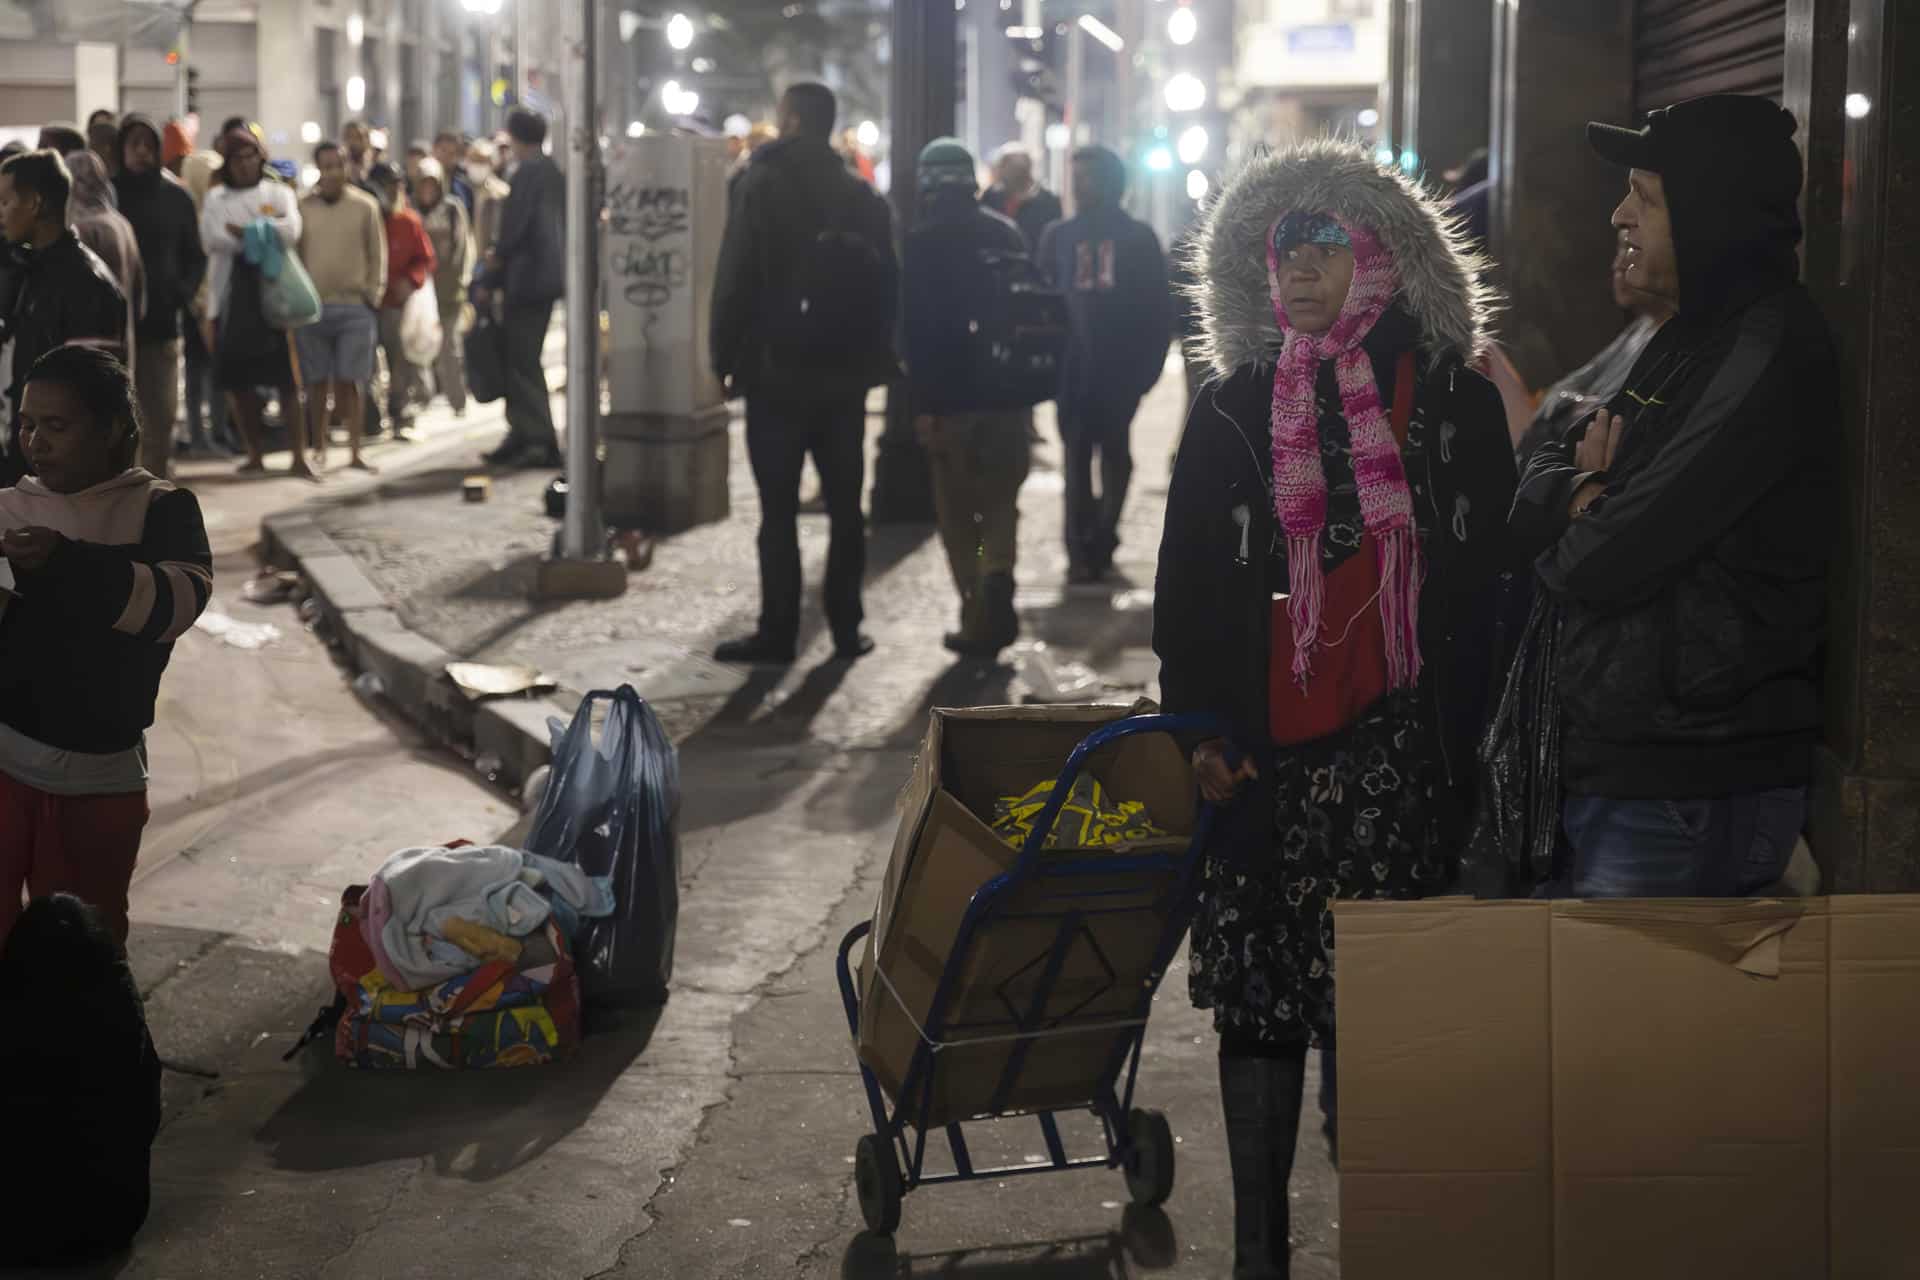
(167, 228)
(976, 443)
(1121, 317)
(1685, 533)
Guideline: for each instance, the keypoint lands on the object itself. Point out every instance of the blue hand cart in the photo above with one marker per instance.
(1139, 1142)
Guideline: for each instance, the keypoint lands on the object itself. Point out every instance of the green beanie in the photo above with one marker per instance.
(945, 163)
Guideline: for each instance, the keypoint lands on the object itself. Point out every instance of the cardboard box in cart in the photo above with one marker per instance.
(945, 851)
(1663, 1090)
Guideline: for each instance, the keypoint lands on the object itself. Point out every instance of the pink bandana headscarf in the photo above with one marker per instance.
(1300, 483)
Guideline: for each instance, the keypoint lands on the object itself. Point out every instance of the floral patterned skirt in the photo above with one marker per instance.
(1355, 817)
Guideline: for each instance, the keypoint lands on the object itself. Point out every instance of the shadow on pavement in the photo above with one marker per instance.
(1145, 1241)
(474, 1125)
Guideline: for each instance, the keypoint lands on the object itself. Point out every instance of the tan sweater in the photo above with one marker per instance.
(344, 245)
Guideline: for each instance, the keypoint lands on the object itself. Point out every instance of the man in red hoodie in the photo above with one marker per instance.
(410, 265)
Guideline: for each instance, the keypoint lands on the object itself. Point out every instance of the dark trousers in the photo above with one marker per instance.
(780, 435)
(206, 402)
(1093, 524)
(529, 411)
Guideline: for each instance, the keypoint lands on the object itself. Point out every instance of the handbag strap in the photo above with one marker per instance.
(483, 980)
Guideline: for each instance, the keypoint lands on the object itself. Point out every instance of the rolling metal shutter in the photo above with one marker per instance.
(1685, 48)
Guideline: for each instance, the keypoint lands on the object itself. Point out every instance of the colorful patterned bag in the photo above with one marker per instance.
(503, 1014)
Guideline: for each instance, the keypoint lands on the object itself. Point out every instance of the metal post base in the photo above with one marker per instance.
(579, 580)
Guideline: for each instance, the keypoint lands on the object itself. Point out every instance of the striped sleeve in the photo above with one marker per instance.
(152, 590)
(164, 600)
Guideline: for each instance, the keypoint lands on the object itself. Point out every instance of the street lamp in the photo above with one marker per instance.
(1185, 93)
(356, 93)
(1193, 145)
(1196, 185)
(680, 31)
(868, 134)
(1182, 26)
(1160, 159)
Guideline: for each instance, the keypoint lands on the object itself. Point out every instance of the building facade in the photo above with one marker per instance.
(301, 68)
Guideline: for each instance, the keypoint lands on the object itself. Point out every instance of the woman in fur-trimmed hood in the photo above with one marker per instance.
(1329, 587)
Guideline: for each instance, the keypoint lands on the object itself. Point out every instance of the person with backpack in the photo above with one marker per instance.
(973, 425)
(1110, 267)
(802, 325)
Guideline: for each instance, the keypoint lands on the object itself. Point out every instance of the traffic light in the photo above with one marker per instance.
(1036, 51)
(193, 91)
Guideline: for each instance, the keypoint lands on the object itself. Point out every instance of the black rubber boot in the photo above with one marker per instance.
(1002, 623)
(1261, 1099)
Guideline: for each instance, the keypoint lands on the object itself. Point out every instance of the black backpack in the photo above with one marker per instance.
(1021, 338)
(827, 313)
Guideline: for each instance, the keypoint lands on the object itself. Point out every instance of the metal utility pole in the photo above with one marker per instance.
(925, 53)
(1033, 121)
(182, 72)
(582, 537)
(582, 567)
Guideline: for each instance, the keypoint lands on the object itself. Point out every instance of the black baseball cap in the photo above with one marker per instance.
(1733, 124)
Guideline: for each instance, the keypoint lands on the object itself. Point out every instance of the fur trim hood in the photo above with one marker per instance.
(1440, 277)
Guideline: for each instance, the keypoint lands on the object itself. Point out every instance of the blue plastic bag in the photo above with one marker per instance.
(612, 807)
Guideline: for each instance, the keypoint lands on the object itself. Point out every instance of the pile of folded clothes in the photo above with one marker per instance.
(460, 957)
(1089, 817)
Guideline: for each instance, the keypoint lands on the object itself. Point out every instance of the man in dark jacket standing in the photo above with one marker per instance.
(1121, 317)
(1014, 194)
(1687, 529)
(167, 228)
(803, 307)
(977, 449)
(527, 264)
(66, 294)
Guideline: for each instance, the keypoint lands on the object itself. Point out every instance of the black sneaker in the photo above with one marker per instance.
(958, 642)
(852, 648)
(756, 648)
(507, 455)
(542, 460)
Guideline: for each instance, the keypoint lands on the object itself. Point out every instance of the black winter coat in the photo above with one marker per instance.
(771, 227)
(532, 242)
(940, 274)
(65, 294)
(1213, 600)
(167, 228)
(1040, 210)
(1695, 591)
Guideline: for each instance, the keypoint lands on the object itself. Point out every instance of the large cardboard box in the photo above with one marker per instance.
(945, 852)
(1667, 1090)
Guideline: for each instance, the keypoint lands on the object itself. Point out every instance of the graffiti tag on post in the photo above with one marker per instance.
(648, 253)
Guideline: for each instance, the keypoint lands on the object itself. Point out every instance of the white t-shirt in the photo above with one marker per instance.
(226, 206)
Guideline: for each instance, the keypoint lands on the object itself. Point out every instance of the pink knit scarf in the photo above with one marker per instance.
(1300, 483)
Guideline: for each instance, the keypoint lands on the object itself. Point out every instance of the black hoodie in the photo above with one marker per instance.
(1694, 591)
(167, 228)
(773, 223)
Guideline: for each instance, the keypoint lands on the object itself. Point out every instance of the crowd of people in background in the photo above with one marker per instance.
(128, 233)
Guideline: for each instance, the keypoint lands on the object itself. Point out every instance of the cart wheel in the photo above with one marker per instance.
(1149, 1159)
(876, 1177)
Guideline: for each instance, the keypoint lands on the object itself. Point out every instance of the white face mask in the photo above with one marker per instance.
(478, 171)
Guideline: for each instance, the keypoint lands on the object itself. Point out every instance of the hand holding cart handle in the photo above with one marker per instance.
(1105, 736)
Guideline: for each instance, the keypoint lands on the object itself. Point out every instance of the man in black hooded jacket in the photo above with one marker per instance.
(64, 292)
(1686, 531)
(167, 228)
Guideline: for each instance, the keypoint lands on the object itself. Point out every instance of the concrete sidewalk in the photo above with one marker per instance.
(712, 1137)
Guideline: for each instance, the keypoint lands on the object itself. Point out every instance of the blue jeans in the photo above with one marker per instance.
(1722, 847)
